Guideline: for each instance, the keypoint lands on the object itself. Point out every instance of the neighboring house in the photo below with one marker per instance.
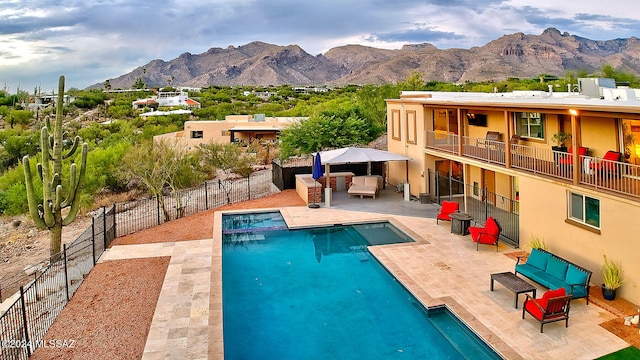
(167, 99)
(499, 147)
(235, 128)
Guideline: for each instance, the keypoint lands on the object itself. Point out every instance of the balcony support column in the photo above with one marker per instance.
(507, 147)
(575, 146)
(460, 130)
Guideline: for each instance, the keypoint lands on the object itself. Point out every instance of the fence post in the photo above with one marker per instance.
(437, 174)
(93, 239)
(66, 276)
(158, 209)
(115, 229)
(485, 199)
(249, 186)
(206, 197)
(104, 226)
(24, 319)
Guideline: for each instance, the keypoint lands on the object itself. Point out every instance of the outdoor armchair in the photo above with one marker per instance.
(487, 235)
(552, 306)
(448, 207)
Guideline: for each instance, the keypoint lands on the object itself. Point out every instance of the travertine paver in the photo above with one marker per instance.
(439, 268)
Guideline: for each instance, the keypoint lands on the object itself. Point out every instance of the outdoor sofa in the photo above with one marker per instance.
(363, 186)
(554, 272)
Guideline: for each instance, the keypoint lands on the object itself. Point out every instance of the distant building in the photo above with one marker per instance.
(167, 99)
(234, 128)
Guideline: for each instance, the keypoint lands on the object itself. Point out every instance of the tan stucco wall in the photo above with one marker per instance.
(397, 169)
(599, 135)
(545, 216)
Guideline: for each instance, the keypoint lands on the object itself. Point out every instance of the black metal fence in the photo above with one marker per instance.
(38, 303)
(480, 203)
(48, 289)
(147, 213)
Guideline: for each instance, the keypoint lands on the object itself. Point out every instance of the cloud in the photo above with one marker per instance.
(90, 41)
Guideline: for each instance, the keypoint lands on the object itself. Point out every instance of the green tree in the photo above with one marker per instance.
(413, 82)
(158, 166)
(139, 84)
(324, 132)
(228, 158)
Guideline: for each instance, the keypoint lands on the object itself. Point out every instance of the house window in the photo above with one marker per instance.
(584, 209)
(529, 124)
(197, 134)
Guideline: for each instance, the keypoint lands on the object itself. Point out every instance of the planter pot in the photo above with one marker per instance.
(556, 156)
(608, 294)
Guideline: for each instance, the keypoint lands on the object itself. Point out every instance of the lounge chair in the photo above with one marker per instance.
(608, 163)
(363, 186)
(552, 306)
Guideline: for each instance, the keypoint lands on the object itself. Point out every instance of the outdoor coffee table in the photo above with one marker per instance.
(513, 283)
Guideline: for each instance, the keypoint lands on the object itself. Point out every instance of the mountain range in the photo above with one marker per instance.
(261, 64)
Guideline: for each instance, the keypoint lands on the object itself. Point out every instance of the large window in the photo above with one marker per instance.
(584, 209)
(529, 124)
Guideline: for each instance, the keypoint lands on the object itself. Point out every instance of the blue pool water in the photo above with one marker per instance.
(319, 294)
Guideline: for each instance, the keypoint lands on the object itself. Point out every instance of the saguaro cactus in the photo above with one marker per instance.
(48, 215)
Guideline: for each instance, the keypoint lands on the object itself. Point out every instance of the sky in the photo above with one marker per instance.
(90, 41)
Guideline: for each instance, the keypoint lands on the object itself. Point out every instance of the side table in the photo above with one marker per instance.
(460, 223)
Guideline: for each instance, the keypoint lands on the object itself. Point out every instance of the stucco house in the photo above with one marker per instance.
(234, 128)
(167, 99)
(497, 149)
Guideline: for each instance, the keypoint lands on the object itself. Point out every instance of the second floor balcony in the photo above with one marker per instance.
(608, 173)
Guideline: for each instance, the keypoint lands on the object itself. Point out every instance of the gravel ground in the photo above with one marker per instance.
(110, 315)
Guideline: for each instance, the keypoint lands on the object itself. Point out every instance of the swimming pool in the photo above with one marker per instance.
(318, 293)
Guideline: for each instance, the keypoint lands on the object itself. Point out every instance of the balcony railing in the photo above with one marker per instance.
(604, 174)
(442, 141)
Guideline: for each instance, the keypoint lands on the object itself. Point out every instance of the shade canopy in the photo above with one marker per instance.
(358, 155)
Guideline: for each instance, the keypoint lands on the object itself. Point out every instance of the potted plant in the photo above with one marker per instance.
(612, 278)
(628, 140)
(560, 139)
(537, 242)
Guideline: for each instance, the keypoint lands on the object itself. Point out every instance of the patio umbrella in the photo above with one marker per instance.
(316, 174)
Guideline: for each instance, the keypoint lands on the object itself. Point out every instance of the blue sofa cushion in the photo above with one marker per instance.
(527, 270)
(544, 279)
(538, 259)
(578, 291)
(575, 276)
(557, 268)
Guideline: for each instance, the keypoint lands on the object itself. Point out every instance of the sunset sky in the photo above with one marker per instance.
(90, 41)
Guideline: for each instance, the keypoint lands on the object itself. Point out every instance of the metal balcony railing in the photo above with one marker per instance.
(615, 176)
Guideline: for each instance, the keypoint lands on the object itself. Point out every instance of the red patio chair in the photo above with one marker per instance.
(568, 159)
(608, 163)
(448, 207)
(552, 306)
(487, 235)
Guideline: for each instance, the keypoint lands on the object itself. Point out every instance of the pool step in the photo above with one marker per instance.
(360, 252)
(241, 237)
